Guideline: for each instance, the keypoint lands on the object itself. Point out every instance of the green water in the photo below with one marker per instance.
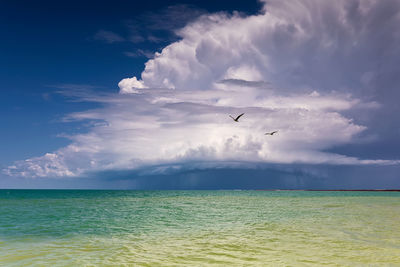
(198, 228)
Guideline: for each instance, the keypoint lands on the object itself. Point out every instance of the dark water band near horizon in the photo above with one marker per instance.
(199, 228)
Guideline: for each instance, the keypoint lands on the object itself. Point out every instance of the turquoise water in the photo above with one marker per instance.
(198, 228)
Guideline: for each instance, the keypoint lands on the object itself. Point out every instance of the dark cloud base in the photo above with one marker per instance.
(269, 178)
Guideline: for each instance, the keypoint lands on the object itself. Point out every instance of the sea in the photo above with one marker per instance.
(199, 228)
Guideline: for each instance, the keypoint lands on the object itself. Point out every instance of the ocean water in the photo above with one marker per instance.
(199, 228)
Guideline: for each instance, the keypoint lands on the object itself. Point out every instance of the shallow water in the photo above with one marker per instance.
(197, 228)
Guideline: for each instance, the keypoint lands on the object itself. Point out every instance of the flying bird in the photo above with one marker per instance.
(237, 118)
(271, 133)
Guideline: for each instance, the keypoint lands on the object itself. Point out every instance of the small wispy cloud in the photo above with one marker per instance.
(136, 38)
(76, 92)
(108, 37)
(140, 53)
(155, 26)
(160, 25)
(74, 86)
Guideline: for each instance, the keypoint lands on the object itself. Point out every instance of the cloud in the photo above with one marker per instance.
(160, 126)
(160, 25)
(139, 53)
(155, 27)
(244, 83)
(320, 59)
(136, 38)
(108, 37)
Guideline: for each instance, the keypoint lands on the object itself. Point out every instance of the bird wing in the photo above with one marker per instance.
(232, 117)
(274, 132)
(239, 116)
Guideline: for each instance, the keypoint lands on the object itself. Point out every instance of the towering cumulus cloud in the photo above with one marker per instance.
(306, 68)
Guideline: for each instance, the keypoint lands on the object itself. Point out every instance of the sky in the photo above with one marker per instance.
(126, 95)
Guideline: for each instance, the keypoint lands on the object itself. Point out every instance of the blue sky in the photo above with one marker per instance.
(80, 109)
(47, 44)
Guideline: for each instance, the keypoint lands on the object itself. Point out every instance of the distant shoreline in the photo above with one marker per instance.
(334, 190)
(276, 190)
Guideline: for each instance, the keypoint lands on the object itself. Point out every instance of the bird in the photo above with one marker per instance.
(271, 133)
(237, 118)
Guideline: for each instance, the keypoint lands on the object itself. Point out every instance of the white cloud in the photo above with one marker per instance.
(160, 126)
(130, 85)
(290, 69)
